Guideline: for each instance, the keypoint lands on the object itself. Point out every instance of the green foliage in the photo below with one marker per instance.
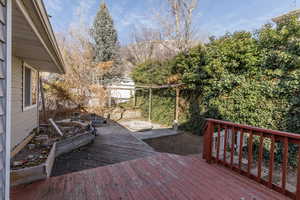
(151, 72)
(245, 100)
(248, 78)
(191, 67)
(236, 53)
(280, 46)
(163, 106)
(105, 36)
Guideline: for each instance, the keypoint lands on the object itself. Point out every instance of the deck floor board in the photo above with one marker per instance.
(159, 177)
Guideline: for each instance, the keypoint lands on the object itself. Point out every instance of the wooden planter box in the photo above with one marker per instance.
(43, 171)
(73, 143)
(31, 174)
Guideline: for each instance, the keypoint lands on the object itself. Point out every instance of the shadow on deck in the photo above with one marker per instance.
(158, 177)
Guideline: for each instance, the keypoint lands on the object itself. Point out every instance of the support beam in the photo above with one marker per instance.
(43, 100)
(150, 104)
(135, 98)
(109, 98)
(177, 104)
(175, 125)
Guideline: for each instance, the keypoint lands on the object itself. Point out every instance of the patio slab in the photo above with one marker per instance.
(156, 133)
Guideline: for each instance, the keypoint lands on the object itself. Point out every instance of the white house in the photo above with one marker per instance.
(27, 47)
(122, 90)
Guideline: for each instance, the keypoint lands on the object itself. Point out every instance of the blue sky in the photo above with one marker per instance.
(213, 17)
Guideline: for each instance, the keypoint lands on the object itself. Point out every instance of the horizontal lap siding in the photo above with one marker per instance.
(23, 122)
(3, 99)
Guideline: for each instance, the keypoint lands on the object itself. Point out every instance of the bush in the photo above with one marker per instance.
(249, 78)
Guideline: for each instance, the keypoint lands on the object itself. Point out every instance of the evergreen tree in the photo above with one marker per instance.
(105, 36)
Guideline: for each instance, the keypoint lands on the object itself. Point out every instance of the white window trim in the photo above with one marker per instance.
(25, 108)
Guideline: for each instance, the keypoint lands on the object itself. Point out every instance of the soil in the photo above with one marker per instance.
(181, 144)
(29, 157)
(37, 150)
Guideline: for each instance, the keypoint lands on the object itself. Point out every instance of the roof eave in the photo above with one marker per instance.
(40, 6)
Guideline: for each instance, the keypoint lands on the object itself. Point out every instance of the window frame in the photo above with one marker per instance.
(31, 106)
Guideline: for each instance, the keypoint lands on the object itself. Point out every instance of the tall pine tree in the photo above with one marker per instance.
(106, 45)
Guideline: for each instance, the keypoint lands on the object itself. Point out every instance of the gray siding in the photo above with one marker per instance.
(3, 99)
(22, 122)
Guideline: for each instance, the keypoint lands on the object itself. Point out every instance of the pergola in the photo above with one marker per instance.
(177, 87)
(152, 87)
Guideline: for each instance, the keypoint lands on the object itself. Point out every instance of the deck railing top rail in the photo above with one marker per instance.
(256, 129)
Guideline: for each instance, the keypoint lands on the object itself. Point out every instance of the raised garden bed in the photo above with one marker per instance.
(72, 143)
(35, 161)
(32, 164)
(76, 135)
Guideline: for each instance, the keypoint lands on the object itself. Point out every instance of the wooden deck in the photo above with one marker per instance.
(158, 177)
(114, 144)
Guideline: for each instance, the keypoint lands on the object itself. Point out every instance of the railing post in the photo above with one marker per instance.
(205, 135)
(285, 163)
(298, 177)
(241, 148)
(207, 153)
(250, 153)
(271, 164)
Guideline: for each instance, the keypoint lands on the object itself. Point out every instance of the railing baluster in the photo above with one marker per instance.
(250, 152)
(285, 162)
(241, 148)
(218, 142)
(232, 146)
(271, 167)
(225, 144)
(260, 156)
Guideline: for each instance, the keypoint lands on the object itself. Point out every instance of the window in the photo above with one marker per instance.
(30, 84)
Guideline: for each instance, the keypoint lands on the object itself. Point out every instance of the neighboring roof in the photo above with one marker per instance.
(33, 37)
(290, 14)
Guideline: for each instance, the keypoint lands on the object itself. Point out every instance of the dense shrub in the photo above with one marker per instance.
(249, 78)
(151, 72)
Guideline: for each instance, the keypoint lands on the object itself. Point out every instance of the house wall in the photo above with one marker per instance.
(22, 122)
(5, 40)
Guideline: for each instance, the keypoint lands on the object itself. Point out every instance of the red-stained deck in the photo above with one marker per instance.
(159, 177)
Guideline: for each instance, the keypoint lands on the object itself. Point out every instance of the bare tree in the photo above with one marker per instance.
(174, 33)
(147, 44)
(78, 85)
(177, 25)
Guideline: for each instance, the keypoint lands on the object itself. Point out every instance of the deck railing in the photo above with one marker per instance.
(267, 156)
